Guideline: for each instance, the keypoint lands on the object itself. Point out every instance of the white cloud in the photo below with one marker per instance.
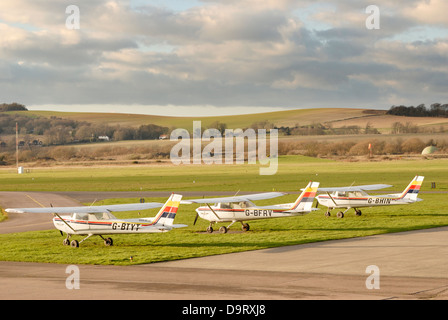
(428, 12)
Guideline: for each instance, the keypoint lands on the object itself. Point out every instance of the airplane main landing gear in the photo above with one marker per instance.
(108, 242)
(75, 243)
(341, 214)
(223, 229)
(67, 242)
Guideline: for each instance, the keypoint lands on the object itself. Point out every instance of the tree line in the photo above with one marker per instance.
(12, 107)
(58, 131)
(435, 110)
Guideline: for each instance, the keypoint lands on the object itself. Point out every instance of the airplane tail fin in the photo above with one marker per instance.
(305, 201)
(411, 191)
(168, 211)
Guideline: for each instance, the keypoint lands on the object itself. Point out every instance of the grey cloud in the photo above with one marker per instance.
(222, 57)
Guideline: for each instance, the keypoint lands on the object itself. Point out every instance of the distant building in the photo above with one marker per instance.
(104, 138)
(163, 137)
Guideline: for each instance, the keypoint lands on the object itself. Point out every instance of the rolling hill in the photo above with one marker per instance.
(336, 117)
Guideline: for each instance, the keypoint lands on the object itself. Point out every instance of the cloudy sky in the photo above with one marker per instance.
(222, 56)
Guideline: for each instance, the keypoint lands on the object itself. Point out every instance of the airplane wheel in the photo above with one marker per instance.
(358, 213)
(223, 229)
(209, 229)
(74, 244)
(108, 242)
(246, 227)
(340, 214)
(66, 242)
(327, 214)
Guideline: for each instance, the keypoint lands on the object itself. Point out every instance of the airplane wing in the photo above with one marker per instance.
(89, 209)
(356, 188)
(249, 197)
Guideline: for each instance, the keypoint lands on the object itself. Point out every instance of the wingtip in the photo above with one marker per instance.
(14, 211)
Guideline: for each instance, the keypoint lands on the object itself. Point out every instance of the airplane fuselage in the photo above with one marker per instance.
(348, 202)
(243, 214)
(108, 226)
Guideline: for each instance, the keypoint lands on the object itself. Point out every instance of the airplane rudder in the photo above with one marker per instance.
(171, 208)
(306, 198)
(413, 188)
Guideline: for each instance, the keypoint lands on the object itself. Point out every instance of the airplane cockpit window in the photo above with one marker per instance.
(235, 205)
(246, 204)
(100, 216)
(97, 216)
(225, 205)
(356, 194)
(93, 216)
(80, 216)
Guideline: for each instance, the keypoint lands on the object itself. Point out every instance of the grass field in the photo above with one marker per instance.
(294, 172)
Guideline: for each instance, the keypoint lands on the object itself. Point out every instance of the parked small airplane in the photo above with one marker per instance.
(356, 197)
(240, 208)
(98, 220)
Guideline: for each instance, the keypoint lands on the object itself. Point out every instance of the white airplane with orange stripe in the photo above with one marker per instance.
(240, 208)
(356, 197)
(98, 220)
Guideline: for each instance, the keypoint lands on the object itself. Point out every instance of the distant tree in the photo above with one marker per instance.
(436, 110)
(265, 124)
(125, 133)
(413, 145)
(150, 131)
(12, 107)
(84, 133)
(221, 127)
(58, 135)
(369, 129)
